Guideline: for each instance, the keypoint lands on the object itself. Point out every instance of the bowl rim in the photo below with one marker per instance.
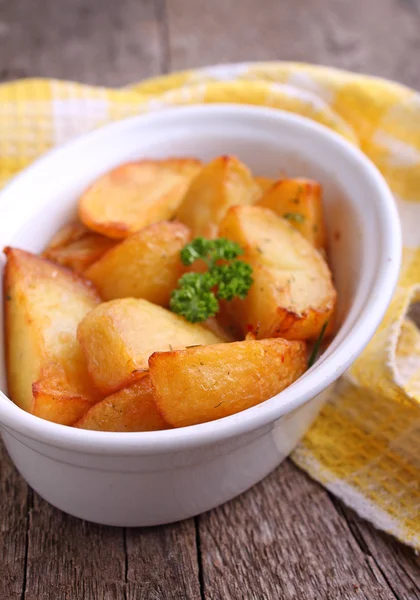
(317, 379)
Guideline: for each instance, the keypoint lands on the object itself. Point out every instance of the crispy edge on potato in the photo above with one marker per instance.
(201, 384)
(118, 337)
(145, 265)
(293, 294)
(131, 409)
(300, 202)
(264, 183)
(136, 194)
(222, 183)
(224, 331)
(46, 369)
(68, 233)
(77, 247)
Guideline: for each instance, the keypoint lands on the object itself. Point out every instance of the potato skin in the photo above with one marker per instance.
(118, 337)
(301, 201)
(76, 247)
(46, 370)
(222, 183)
(130, 409)
(292, 295)
(202, 384)
(145, 265)
(135, 195)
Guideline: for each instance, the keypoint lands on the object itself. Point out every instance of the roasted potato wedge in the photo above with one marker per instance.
(264, 183)
(223, 331)
(46, 369)
(292, 295)
(300, 202)
(131, 409)
(69, 233)
(222, 183)
(145, 265)
(210, 382)
(135, 195)
(119, 336)
(76, 247)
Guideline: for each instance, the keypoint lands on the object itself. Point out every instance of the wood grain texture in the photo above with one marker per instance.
(381, 38)
(70, 559)
(399, 565)
(284, 539)
(14, 498)
(95, 41)
(162, 563)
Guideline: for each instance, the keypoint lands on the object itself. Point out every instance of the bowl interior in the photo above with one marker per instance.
(271, 143)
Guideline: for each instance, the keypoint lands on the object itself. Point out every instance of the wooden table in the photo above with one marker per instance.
(287, 538)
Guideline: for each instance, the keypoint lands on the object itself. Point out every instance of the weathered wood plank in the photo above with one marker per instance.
(162, 563)
(52, 556)
(98, 42)
(13, 527)
(399, 564)
(69, 559)
(356, 35)
(284, 539)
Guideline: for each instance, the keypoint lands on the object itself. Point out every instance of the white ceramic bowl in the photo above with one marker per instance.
(150, 478)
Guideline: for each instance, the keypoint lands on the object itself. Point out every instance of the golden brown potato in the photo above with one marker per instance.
(131, 409)
(222, 183)
(71, 232)
(135, 195)
(300, 202)
(209, 382)
(145, 265)
(292, 295)
(264, 183)
(223, 330)
(119, 336)
(76, 247)
(46, 369)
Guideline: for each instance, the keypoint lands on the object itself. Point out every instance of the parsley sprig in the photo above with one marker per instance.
(197, 296)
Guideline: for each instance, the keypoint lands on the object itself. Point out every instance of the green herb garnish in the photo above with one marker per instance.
(197, 296)
(317, 345)
(296, 217)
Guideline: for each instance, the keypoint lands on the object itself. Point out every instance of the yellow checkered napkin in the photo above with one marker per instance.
(365, 445)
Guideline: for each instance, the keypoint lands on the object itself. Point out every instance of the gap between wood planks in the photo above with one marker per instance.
(287, 538)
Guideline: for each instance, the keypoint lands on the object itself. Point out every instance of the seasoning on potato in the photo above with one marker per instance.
(222, 183)
(44, 304)
(145, 265)
(130, 409)
(202, 384)
(300, 202)
(118, 337)
(135, 195)
(293, 294)
(242, 269)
